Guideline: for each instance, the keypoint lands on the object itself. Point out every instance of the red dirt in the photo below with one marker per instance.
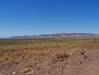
(55, 60)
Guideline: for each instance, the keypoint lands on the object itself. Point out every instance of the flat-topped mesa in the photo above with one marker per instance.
(57, 35)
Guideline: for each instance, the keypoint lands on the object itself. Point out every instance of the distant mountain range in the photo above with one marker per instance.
(57, 35)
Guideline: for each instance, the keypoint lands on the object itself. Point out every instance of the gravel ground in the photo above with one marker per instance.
(50, 61)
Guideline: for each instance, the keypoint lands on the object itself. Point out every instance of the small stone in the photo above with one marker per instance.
(67, 66)
(13, 73)
(59, 69)
(26, 48)
(30, 72)
(70, 54)
(82, 53)
(20, 58)
(85, 57)
(16, 62)
(81, 62)
(27, 70)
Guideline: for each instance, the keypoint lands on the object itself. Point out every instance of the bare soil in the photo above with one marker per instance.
(53, 60)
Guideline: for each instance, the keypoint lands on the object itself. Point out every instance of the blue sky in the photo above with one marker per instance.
(30, 17)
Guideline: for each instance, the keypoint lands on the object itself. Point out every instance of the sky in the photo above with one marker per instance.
(34, 17)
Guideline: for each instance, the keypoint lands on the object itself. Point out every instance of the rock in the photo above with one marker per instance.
(20, 58)
(70, 54)
(67, 65)
(27, 70)
(82, 53)
(30, 72)
(59, 69)
(13, 73)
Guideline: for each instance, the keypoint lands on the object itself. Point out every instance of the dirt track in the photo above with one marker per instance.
(50, 61)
